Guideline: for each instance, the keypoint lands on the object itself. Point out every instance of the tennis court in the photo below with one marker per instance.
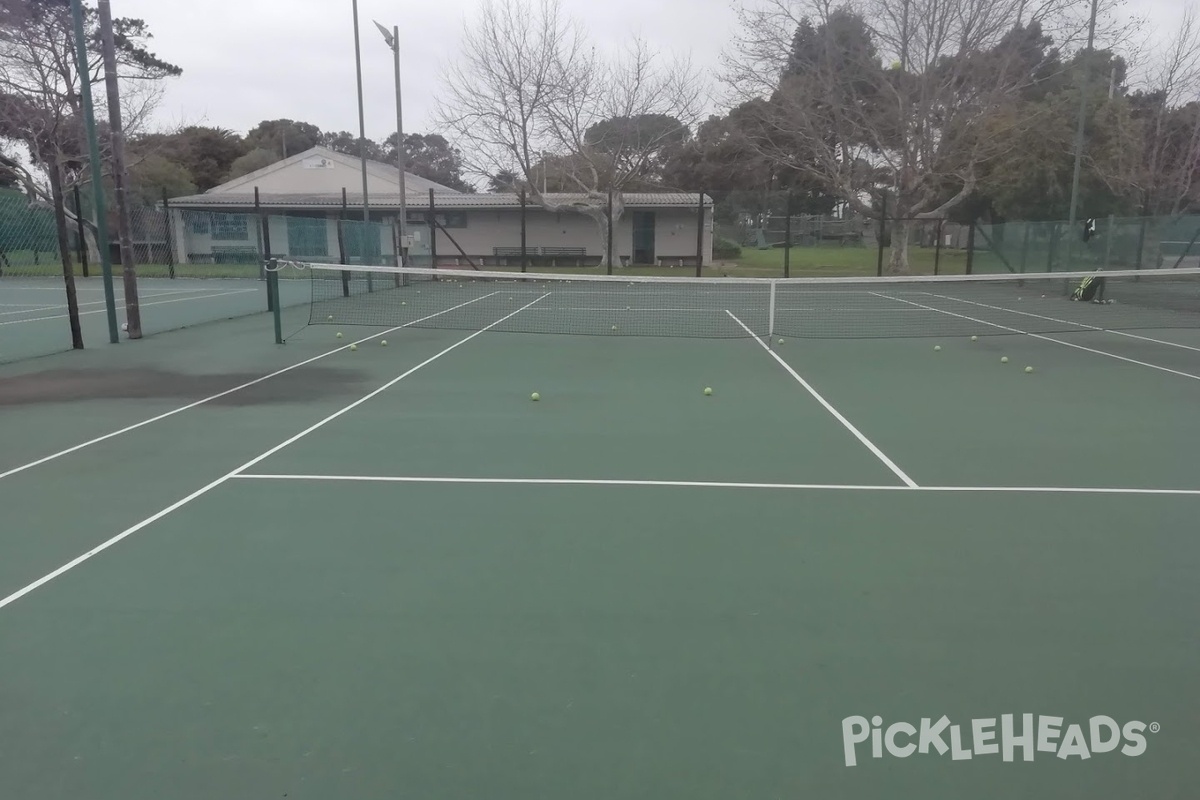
(236, 569)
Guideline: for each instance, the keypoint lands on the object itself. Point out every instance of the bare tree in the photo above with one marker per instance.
(528, 89)
(1171, 136)
(923, 126)
(41, 105)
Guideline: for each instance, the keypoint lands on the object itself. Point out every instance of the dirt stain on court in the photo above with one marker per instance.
(66, 386)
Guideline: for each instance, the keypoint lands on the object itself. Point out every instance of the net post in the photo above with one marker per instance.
(882, 232)
(771, 318)
(273, 292)
(700, 237)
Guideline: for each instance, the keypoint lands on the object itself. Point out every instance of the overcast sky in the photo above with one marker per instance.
(248, 60)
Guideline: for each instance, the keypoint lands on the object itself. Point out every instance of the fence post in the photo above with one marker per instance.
(787, 235)
(265, 222)
(83, 254)
(882, 231)
(971, 248)
(937, 249)
(1141, 243)
(170, 239)
(700, 237)
(341, 243)
(609, 253)
(432, 231)
(524, 232)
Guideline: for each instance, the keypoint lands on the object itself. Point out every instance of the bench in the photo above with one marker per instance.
(555, 253)
(503, 254)
(235, 255)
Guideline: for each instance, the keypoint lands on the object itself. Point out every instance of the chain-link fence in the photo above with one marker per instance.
(191, 267)
(1104, 243)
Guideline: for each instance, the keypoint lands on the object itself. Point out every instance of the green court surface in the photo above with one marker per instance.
(390, 573)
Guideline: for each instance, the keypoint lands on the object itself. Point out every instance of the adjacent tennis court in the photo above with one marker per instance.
(236, 569)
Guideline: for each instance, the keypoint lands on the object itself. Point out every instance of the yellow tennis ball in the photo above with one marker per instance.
(353, 347)
(330, 318)
(974, 338)
(383, 343)
(403, 302)
(1003, 359)
(339, 334)
(707, 391)
(535, 397)
(614, 327)
(1029, 369)
(937, 347)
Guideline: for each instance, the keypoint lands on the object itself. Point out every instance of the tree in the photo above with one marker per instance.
(430, 156)
(527, 84)
(254, 160)
(947, 105)
(283, 137)
(504, 181)
(347, 143)
(152, 176)
(1168, 110)
(206, 153)
(41, 104)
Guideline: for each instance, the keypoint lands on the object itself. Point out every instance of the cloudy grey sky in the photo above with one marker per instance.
(248, 60)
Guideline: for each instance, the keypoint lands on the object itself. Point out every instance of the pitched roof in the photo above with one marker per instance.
(374, 168)
(455, 200)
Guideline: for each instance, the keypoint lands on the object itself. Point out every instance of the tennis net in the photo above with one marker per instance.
(830, 308)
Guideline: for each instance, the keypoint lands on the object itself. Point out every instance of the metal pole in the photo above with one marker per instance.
(401, 155)
(393, 41)
(89, 123)
(265, 224)
(700, 237)
(609, 253)
(432, 231)
(937, 249)
(362, 126)
(1083, 93)
(787, 235)
(83, 254)
(170, 238)
(120, 175)
(882, 231)
(524, 248)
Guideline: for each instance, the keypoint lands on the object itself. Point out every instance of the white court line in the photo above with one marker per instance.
(847, 487)
(31, 308)
(140, 305)
(1066, 322)
(219, 395)
(837, 415)
(1104, 353)
(42, 581)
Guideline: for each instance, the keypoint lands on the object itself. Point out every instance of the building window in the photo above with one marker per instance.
(447, 219)
(307, 237)
(198, 223)
(229, 228)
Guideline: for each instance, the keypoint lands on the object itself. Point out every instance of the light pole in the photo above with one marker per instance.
(362, 135)
(392, 38)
